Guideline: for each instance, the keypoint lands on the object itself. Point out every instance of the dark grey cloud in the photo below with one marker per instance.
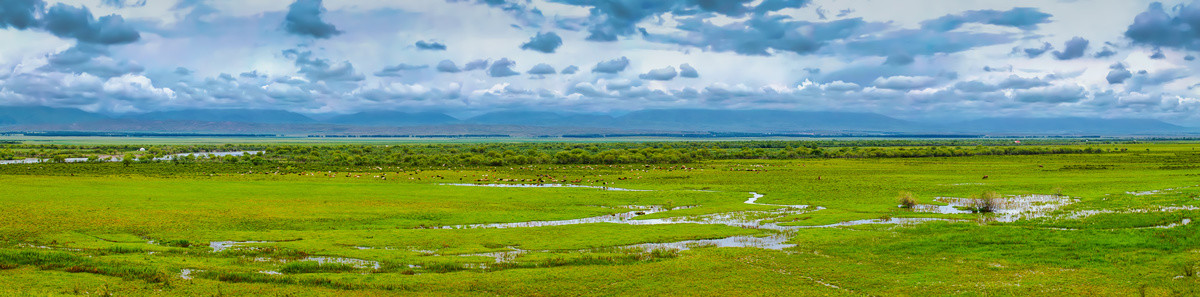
(476, 65)
(570, 69)
(1118, 74)
(611, 66)
(687, 71)
(77, 22)
(775, 5)
(1034, 52)
(543, 42)
(667, 73)
(1158, 55)
(304, 19)
(447, 66)
(609, 19)
(316, 69)
(1025, 18)
(1073, 49)
(430, 45)
(20, 14)
(502, 68)
(91, 59)
(542, 69)
(394, 71)
(759, 35)
(1105, 53)
(1155, 27)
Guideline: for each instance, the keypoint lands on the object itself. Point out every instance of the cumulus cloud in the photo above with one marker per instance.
(1052, 94)
(304, 18)
(1074, 49)
(686, 71)
(430, 45)
(611, 66)
(1012, 82)
(543, 42)
(1118, 74)
(667, 73)
(841, 86)
(570, 69)
(1155, 27)
(901, 82)
(447, 66)
(541, 69)
(394, 71)
(1025, 18)
(502, 68)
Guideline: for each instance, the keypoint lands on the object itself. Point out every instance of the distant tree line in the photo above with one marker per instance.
(504, 154)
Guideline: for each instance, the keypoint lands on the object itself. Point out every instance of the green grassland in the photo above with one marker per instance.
(134, 229)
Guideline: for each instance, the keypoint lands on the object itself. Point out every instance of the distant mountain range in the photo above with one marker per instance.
(16, 118)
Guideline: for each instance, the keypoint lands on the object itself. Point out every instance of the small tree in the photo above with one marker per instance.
(127, 160)
(907, 199)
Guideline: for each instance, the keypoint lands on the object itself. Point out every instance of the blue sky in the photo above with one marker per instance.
(912, 59)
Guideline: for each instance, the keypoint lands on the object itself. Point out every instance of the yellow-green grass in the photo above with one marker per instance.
(61, 234)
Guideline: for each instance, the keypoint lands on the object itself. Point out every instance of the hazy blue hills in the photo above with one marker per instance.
(34, 115)
(226, 115)
(393, 118)
(18, 118)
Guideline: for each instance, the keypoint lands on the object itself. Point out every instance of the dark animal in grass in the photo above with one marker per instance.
(985, 177)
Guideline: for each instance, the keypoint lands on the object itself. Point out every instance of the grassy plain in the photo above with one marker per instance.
(107, 228)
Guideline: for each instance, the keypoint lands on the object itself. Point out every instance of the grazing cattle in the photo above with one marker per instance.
(985, 177)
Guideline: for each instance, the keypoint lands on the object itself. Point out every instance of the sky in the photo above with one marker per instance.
(910, 59)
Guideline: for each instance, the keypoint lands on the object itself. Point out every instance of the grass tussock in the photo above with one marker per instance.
(987, 202)
(907, 199)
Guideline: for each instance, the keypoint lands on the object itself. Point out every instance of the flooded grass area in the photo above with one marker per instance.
(741, 227)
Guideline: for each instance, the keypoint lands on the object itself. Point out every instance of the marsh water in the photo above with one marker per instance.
(118, 158)
(1011, 208)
